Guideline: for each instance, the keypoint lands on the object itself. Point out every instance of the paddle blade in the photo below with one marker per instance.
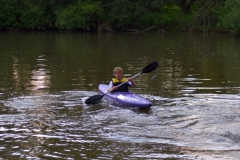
(94, 99)
(151, 67)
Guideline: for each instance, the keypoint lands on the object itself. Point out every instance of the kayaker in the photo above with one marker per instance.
(118, 72)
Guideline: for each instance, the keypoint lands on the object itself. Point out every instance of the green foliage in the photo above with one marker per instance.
(8, 14)
(82, 15)
(161, 16)
(203, 16)
(122, 14)
(231, 18)
(22, 14)
(109, 15)
(32, 19)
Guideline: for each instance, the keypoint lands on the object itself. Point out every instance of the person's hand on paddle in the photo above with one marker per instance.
(115, 87)
(130, 80)
(97, 98)
(111, 89)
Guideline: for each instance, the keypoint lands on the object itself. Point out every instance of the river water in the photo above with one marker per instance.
(46, 76)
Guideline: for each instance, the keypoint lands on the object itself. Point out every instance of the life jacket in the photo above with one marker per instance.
(122, 88)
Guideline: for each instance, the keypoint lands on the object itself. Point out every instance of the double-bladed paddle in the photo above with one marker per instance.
(97, 98)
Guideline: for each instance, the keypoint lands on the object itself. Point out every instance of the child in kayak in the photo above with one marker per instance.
(118, 72)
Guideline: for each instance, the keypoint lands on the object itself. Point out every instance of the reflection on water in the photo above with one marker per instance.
(46, 76)
(40, 77)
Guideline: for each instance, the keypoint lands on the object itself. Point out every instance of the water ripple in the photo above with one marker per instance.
(194, 126)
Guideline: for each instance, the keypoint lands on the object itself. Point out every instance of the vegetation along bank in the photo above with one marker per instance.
(121, 15)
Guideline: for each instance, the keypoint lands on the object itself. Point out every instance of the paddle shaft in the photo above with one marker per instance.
(124, 82)
(97, 98)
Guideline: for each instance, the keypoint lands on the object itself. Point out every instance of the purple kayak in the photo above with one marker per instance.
(127, 99)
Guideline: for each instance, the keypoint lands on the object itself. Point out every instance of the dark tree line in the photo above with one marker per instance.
(119, 15)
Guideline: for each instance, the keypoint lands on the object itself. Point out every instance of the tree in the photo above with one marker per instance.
(231, 17)
(185, 5)
(81, 15)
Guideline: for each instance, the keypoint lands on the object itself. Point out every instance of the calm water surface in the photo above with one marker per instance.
(46, 76)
